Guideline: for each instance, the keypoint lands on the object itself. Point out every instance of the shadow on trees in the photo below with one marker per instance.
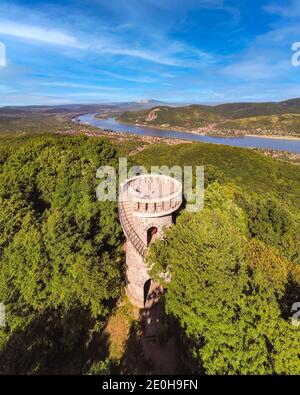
(54, 343)
(134, 360)
(156, 345)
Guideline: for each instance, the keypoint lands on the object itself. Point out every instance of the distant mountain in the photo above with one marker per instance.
(142, 104)
(79, 108)
(150, 102)
(281, 118)
(245, 110)
(19, 111)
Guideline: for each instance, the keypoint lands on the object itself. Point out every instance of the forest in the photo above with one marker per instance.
(235, 266)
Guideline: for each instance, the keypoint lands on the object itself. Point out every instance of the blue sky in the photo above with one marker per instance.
(97, 51)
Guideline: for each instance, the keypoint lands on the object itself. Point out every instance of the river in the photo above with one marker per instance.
(281, 144)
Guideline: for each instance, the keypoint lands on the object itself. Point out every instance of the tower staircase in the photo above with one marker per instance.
(125, 215)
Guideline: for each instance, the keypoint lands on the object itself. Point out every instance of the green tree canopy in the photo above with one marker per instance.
(226, 291)
(59, 246)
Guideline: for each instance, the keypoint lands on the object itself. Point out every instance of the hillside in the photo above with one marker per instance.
(77, 108)
(272, 118)
(186, 117)
(245, 110)
(283, 124)
(58, 243)
(249, 170)
(50, 119)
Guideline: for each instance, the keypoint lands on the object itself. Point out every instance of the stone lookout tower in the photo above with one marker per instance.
(146, 205)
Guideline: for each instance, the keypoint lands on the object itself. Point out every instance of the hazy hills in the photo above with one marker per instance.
(244, 110)
(78, 108)
(44, 119)
(270, 118)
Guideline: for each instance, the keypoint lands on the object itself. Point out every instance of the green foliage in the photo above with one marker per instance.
(249, 170)
(266, 124)
(100, 368)
(49, 342)
(227, 292)
(270, 221)
(232, 296)
(212, 174)
(235, 266)
(59, 246)
(34, 123)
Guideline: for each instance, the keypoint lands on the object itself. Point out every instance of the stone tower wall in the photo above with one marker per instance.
(137, 272)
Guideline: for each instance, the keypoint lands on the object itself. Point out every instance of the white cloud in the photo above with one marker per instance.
(92, 97)
(75, 85)
(167, 56)
(144, 80)
(69, 29)
(255, 69)
(268, 57)
(36, 33)
(152, 56)
(2, 55)
(291, 10)
(31, 99)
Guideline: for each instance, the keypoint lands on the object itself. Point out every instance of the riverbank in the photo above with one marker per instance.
(286, 143)
(276, 137)
(133, 144)
(201, 132)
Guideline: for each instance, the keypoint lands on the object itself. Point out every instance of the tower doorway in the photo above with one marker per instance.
(152, 233)
(147, 286)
